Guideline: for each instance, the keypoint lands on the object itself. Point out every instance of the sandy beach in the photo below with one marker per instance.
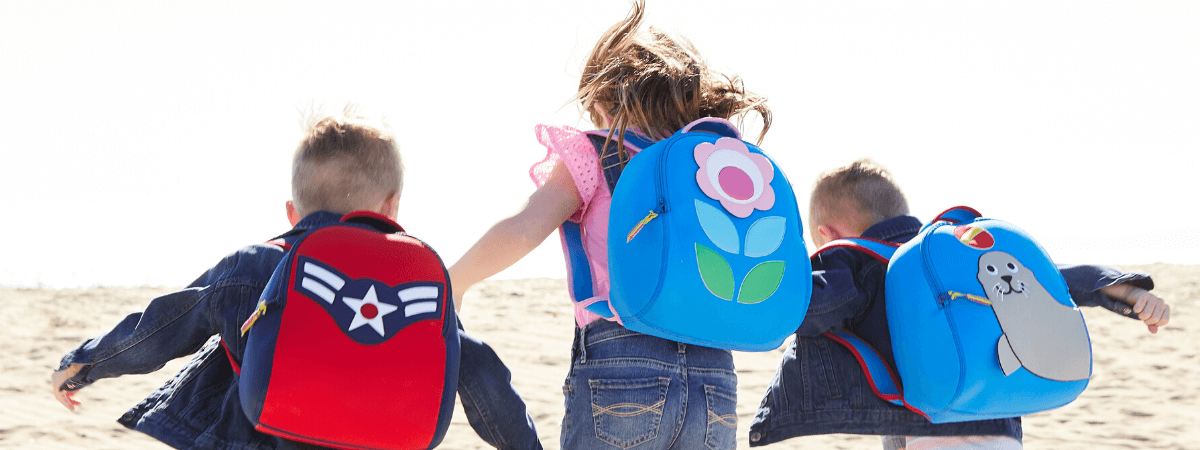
(1143, 394)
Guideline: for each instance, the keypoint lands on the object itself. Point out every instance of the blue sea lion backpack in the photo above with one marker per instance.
(705, 244)
(981, 323)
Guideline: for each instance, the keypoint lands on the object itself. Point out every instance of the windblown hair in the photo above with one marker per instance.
(861, 194)
(657, 83)
(345, 164)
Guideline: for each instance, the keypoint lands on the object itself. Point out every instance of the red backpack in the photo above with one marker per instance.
(354, 343)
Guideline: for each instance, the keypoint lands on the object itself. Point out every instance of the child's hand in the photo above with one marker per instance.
(56, 381)
(1151, 310)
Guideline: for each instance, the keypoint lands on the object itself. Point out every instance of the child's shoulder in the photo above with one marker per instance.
(252, 263)
(562, 136)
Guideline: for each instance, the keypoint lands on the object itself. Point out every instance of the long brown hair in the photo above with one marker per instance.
(657, 83)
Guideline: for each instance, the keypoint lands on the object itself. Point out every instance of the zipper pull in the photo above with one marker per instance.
(259, 311)
(943, 299)
(637, 228)
(975, 298)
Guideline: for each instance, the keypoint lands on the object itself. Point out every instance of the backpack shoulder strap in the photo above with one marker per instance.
(881, 250)
(611, 161)
(881, 378)
(580, 272)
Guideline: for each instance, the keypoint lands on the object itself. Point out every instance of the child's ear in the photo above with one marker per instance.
(391, 206)
(828, 234)
(293, 216)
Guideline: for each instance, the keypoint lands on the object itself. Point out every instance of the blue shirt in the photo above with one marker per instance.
(820, 387)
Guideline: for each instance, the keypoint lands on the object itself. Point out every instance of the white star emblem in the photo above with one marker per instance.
(368, 311)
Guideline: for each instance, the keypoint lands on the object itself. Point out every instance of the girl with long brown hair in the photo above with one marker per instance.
(624, 388)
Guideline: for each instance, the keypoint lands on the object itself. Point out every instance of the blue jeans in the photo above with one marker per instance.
(493, 408)
(628, 389)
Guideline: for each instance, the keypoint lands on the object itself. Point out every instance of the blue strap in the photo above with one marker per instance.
(581, 272)
(880, 250)
(600, 309)
(879, 375)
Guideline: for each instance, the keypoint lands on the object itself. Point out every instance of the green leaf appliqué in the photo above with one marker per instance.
(715, 272)
(762, 282)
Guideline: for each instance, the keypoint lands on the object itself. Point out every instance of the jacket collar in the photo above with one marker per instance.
(897, 229)
(317, 219)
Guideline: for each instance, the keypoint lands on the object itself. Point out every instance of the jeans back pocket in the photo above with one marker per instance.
(721, 432)
(628, 412)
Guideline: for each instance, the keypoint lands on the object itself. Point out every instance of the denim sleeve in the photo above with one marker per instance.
(1085, 281)
(836, 296)
(172, 326)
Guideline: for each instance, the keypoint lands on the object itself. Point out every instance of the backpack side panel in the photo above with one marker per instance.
(365, 351)
(714, 268)
(260, 344)
(927, 357)
(634, 277)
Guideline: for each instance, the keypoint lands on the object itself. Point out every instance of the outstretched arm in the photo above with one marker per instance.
(512, 238)
(1125, 293)
(1150, 309)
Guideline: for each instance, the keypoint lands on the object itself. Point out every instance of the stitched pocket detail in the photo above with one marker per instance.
(628, 412)
(721, 431)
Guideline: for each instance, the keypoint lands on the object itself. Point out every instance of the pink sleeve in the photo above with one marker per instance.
(576, 151)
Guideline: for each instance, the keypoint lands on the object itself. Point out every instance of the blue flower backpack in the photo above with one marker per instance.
(705, 244)
(981, 323)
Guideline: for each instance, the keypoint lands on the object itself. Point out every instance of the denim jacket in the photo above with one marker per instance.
(820, 387)
(199, 407)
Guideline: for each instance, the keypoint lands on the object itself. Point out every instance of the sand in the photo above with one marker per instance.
(1144, 391)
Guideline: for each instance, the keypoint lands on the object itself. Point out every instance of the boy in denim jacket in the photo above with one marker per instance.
(341, 165)
(820, 387)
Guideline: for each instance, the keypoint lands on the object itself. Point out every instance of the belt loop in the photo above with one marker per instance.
(583, 345)
(682, 347)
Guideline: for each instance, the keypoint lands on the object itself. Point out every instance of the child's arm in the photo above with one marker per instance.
(1150, 309)
(1124, 293)
(512, 238)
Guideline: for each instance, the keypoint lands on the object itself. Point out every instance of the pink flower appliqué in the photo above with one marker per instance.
(730, 174)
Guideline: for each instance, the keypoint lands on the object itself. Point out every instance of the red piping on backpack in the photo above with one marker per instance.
(947, 219)
(860, 248)
(237, 368)
(871, 381)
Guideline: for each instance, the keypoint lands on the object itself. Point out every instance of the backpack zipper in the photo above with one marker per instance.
(660, 181)
(944, 301)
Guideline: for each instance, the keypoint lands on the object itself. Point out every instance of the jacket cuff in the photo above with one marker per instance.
(79, 380)
(1086, 281)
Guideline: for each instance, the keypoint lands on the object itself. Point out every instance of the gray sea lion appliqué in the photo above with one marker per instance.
(1040, 334)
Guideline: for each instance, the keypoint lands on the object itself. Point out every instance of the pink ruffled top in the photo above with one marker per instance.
(575, 150)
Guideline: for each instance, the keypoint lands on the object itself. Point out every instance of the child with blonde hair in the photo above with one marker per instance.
(343, 164)
(624, 388)
(820, 387)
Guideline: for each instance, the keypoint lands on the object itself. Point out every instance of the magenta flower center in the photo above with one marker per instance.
(736, 183)
(369, 311)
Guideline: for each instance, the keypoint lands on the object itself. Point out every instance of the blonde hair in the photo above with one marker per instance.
(861, 194)
(657, 83)
(345, 164)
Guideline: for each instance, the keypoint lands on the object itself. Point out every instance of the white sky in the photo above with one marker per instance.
(142, 141)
